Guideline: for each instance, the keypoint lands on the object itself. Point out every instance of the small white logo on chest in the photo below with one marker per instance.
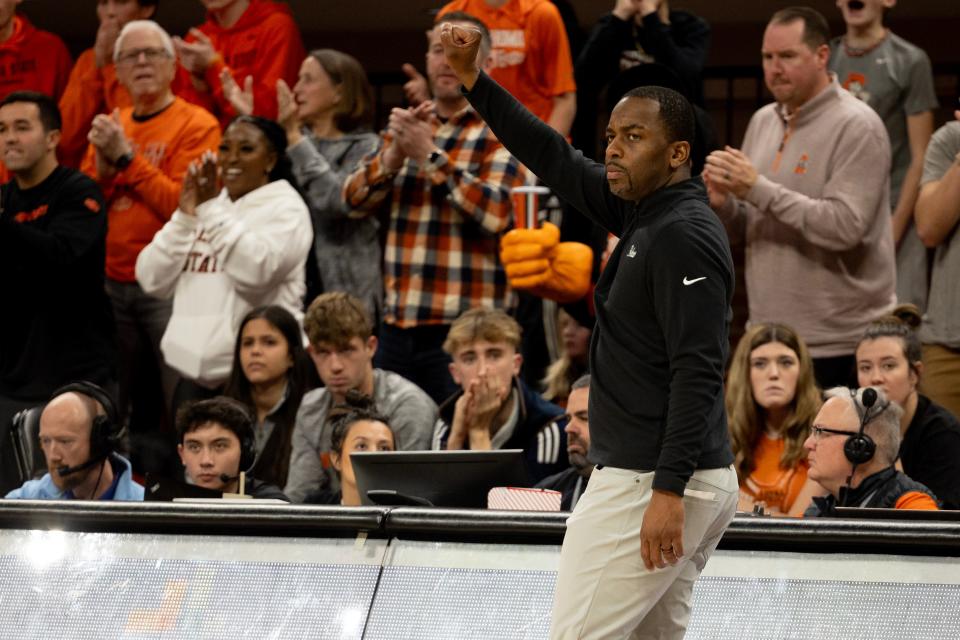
(633, 251)
(687, 282)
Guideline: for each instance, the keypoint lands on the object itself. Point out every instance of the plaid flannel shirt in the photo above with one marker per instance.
(446, 217)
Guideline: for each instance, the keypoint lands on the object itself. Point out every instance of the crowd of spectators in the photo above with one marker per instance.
(221, 270)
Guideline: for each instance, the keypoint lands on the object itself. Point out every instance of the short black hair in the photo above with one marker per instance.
(676, 114)
(227, 412)
(47, 106)
(816, 30)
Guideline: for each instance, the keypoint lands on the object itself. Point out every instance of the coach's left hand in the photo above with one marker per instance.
(661, 533)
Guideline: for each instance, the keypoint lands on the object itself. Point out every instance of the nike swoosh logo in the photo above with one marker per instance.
(690, 282)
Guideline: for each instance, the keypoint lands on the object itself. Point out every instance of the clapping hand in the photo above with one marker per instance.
(195, 56)
(287, 112)
(412, 135)
(240, 98)
(107, 34)
(106, 134)
(109, 142)
(729, 170)
(200, 183)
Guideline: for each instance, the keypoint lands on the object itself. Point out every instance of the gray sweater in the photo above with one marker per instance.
(410, 411)
(347, 249)
(819, 249)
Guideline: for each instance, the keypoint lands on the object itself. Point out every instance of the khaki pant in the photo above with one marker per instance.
(603, 590)
(941, 377)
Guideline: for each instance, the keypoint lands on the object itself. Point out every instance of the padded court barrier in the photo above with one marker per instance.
(158, 571)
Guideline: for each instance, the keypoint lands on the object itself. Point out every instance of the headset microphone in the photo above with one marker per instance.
(66, 470)
(224, 478)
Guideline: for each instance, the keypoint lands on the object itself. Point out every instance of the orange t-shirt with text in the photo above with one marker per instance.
(143, 197)
(531, 54)
(771, 484)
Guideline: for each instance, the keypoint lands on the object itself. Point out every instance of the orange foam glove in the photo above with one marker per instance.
(537, 262)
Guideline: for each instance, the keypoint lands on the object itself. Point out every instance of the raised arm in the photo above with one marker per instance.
(545, 152)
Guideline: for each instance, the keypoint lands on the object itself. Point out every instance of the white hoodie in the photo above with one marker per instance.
(229, 258)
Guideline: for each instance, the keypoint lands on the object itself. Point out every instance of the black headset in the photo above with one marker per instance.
(106, 431)
(246, 435)
(248, 447)
(860, 448)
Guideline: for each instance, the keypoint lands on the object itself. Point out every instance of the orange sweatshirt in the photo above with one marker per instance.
(89, 91)
(144, 196)
(34, 60)
(264, 43)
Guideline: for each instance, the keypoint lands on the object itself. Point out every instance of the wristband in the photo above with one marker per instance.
(123, 161)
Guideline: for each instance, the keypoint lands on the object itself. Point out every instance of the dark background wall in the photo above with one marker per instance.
(383, 34)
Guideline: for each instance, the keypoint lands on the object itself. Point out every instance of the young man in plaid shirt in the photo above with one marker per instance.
(446, 181)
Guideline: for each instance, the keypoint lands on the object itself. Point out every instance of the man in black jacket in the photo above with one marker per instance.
(572, 481)
(56, 324)
(664, 488)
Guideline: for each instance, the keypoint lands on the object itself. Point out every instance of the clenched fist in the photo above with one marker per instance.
(461, 45)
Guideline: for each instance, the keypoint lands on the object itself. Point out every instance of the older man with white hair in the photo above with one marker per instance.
(852, 449)
(139, 156)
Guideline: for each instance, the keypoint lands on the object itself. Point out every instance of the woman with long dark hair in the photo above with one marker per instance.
(271, 372)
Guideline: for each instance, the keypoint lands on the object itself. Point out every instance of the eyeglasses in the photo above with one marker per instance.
(152, 54)
(819, 432)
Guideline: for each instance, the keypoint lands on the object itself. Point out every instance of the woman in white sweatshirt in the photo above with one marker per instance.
(222, 254)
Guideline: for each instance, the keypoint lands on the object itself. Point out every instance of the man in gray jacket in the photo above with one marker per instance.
(809, 192)
(342, 346)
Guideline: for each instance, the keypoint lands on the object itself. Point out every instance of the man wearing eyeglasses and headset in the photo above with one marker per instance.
(852, 451)
(139, 155)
